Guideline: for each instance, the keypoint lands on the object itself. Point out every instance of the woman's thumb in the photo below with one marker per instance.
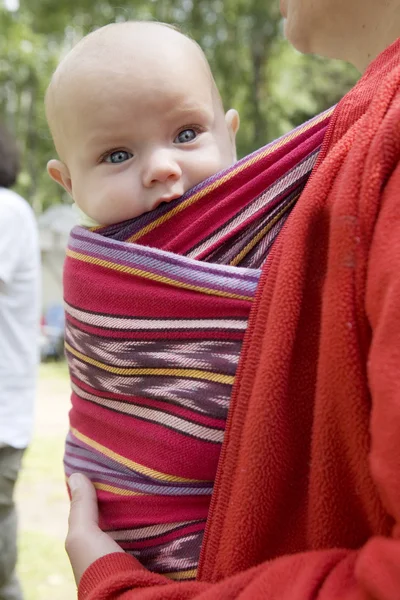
(83, 511)
(74, 482)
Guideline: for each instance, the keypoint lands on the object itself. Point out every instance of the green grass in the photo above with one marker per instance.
(53, 370)
(43, 568)
(43, 565)
(43, 461)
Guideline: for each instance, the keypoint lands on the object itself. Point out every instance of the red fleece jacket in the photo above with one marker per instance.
(307, 498)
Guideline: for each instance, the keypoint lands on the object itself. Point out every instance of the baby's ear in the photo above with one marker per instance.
(60, 173)
(232, 121)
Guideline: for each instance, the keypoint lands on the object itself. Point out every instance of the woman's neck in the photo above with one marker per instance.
(379, 27)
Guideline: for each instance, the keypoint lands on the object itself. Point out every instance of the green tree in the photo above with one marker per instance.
(273, 87)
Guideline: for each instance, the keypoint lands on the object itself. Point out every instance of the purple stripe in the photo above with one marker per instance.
(180, 271)
(208, 285)
(81, 234)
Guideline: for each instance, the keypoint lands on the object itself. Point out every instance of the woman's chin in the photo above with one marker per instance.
(295, 37)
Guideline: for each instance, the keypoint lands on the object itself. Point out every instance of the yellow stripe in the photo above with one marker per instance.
(132, 271)
(137, 371)
(182, 575)
(130, 463)
(261, 234)
(216, 184)
(110, 488)
(114, 490)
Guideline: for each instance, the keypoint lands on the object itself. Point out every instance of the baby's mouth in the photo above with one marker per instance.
(166, 198)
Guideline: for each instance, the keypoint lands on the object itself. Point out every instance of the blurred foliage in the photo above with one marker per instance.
(273, 87)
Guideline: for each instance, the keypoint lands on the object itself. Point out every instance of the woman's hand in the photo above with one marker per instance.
(85, 541)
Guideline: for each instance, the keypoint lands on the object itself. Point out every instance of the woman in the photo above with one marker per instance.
(307, 502)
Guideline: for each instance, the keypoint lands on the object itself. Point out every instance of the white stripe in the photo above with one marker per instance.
(155, 416)
(151, 324)
(138, 533)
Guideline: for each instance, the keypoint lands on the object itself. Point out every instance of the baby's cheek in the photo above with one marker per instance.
(116, 202)
(212, 163)
(90, 200)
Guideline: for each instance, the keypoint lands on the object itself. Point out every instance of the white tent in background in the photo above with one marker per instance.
(54, 227)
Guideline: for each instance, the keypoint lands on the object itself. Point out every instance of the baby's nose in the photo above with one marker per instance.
(161, 167)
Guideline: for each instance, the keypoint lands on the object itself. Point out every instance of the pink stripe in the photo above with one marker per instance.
(152, 299)
(138, 511)
(136, 441)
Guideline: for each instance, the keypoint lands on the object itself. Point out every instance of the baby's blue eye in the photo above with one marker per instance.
(119, 156)
(187, 135)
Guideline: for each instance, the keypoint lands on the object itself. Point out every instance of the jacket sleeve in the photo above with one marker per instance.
(372, 572)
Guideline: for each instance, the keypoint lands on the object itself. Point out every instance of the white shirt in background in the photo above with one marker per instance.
(19, 318)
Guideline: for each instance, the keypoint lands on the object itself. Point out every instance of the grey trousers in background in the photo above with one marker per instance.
(10, 464)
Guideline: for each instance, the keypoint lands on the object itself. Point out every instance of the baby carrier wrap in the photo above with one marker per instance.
(156, 312)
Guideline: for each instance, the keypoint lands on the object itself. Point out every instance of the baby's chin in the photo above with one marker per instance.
(107, 222)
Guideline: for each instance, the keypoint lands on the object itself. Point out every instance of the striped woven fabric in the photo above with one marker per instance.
(156, 311)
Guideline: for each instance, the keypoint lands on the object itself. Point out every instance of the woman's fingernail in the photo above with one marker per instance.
(74, 482)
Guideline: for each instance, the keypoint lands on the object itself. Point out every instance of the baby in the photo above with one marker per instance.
(136, 120)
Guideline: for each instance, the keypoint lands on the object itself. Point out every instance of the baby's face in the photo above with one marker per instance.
(138, 150)
(140, 138)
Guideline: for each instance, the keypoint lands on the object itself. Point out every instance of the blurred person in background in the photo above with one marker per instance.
(19, 317)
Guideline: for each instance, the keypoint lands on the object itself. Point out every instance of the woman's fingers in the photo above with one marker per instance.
(85, 541)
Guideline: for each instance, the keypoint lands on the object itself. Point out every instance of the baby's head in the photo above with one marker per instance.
(136, 119)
